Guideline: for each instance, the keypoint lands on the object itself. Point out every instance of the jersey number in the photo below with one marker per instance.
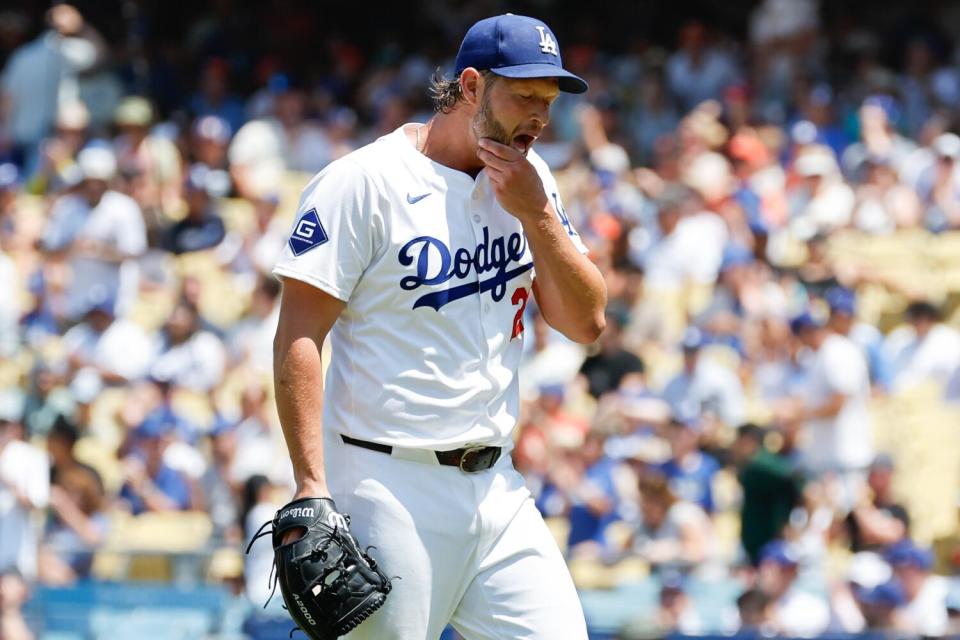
(519, 296)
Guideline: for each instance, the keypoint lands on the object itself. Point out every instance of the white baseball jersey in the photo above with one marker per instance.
(436, 277)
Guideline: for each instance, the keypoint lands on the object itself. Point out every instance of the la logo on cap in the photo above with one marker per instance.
(547, 43)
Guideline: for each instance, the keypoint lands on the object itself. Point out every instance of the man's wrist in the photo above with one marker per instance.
(311, 489)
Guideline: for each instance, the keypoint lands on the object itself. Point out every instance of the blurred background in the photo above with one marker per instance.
(763, 442)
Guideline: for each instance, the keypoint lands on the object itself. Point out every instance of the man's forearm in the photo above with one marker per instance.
(569, 288)
(298, 378)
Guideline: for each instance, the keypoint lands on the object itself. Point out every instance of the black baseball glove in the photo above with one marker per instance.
(328, 584)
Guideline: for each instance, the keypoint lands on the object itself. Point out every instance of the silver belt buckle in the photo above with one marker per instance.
(468, 451)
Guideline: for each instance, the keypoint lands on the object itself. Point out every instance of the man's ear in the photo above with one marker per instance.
(471, 85)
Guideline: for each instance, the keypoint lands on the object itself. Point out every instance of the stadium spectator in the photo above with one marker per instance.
(99, 232)
(24, 489)
(697, 70)
(57, 167)
(796, 613)
(755, 612)
(201, 228)
(263, 149)
(43, 73)
(117, 350)
(149, 162)
(843, 311)
(833, 411)
(704, 387)
(923, 351)
(149, 483)
(878, 521)
(771, 489)
(187, 355)
(672, 534)
(690, 471)
(593, 500)
(78, 523)
(606, 369)
(924, 611)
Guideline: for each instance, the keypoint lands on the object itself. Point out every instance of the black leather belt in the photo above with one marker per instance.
(467, 459)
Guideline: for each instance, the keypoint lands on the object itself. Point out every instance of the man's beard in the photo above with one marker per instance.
(485, 125)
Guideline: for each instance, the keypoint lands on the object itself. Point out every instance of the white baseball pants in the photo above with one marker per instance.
(469, 548)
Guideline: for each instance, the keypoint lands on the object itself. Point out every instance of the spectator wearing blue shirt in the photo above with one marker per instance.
(594, 500)
(689, 471)
(151, 485)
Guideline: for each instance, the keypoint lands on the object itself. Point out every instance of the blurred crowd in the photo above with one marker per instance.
(709, 178)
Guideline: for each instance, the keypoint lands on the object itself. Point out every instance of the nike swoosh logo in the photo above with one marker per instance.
(415, 199)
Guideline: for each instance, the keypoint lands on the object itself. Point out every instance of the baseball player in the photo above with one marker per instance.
(418, 253)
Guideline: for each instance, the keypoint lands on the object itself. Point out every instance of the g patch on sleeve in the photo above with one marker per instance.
(307, 234)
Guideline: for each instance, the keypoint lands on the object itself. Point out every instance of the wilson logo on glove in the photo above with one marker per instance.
(328, 584)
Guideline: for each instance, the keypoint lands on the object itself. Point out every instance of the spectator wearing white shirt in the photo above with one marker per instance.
(703, 386)
(187, 355)
(100, 232)
(833, 410)
(925, 611)
(823, 201)
(924, 351)
(689, 248)
(796, 612)
(24, 488)
(264, 149)
(118, 350)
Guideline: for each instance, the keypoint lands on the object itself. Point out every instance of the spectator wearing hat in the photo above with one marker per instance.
(796, 613)
(150, 162)
(202, 228)
(924, 612)
(115, 349)
(938, 184)
(100, 232)
(690, 471)
(57, 168)
(24, 489)
(209, 141)
(833, 409)
(675, 610)
(821, 202)
(150, 484)
(593, 499)
(878, 521)
(923, 351)
(843, 313)
(704, 387)
(771, 489)
(220, 491)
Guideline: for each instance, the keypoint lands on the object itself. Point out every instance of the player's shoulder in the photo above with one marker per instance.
(539, 164)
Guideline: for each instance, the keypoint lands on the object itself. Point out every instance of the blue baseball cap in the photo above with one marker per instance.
(841, 300)
(803, 322)
(907, 554)
(780, 552)
(889, 594)
(516, 47)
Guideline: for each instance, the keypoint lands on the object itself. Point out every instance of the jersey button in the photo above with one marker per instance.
(486, 308)
(476, 195)
(476, 218)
